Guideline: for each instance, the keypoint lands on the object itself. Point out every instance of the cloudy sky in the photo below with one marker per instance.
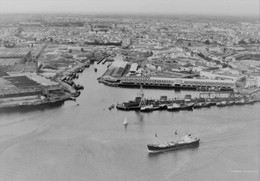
(214, 7)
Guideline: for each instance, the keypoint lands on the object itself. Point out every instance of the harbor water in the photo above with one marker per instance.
(84, 140)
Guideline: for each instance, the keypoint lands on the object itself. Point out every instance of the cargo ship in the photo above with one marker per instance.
(184, 142)
(130, 105)
(135, 104)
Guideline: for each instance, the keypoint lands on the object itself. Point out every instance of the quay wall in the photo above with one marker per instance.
(177, 83)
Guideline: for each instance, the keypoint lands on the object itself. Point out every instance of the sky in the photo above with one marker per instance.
(199, 7)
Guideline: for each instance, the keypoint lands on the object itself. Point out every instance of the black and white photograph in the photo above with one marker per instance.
(129, 90)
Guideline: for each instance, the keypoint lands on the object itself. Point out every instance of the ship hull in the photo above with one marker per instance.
(173, 109)
(150, 109)
(222, 105)
(182, 107)
(205, 105)
(128, 108)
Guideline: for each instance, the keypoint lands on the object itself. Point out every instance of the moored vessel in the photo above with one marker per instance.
(182, 106)
(173, 107)
(250, 101)
(130, 105)
(222, 104)
(148, 108)
(230, 103)
(240, 102)
(202, 105)
(186, 106)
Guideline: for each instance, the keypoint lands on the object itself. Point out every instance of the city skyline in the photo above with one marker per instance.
(198, 7)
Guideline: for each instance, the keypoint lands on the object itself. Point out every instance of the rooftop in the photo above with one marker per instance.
(13, 52)
(8, 61)
(34, 78)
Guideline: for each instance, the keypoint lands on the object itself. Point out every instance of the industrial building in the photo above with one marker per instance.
(23, 54)
(28, 87)
(116, 69)
(16, 59)
(133, 67)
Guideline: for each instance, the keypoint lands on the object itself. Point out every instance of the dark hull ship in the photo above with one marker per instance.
(187, 141)
(130, 105)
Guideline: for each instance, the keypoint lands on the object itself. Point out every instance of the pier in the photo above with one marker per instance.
(113, 77)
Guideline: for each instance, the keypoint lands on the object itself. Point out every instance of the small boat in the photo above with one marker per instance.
(111, 107)
(198, 105)
(206, 104)
(202, 105)
(173, 107)
(211, 103)
(162, 106)
(186, 106)
(240, 102)
(222, 104)
(250, 101)
(125, 122)
(184, 142)
(230, 103)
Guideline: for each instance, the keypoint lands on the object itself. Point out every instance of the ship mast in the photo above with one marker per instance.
(141, 93)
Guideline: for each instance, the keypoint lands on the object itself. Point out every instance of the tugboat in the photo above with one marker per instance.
(173, 107)
(184, 142)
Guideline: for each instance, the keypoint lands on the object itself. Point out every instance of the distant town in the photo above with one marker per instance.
(41, 55)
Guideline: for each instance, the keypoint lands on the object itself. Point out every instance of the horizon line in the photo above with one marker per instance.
(134, 14)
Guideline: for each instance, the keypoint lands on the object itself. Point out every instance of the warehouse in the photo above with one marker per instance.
(24, 54)
(133, 68)
(29, 84)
